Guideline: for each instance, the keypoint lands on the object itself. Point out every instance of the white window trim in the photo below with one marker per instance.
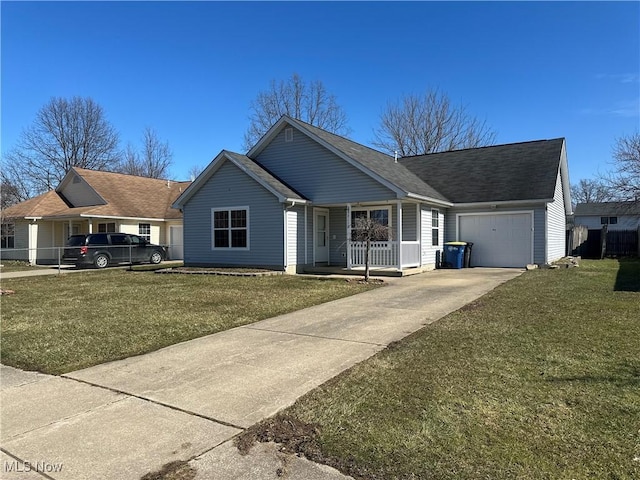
(145, 235)
(13, 235)
(228, 209)
(437, 212)
(368, 209)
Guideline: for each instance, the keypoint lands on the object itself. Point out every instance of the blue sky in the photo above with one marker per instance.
(191, 69)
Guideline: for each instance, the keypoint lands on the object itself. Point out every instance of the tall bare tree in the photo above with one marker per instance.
(624, 180)
(306, 101)
(429, 123)
(153, 160)
(590, 191)
(65, 133)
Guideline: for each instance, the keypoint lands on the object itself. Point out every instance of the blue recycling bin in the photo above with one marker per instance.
(454, 254)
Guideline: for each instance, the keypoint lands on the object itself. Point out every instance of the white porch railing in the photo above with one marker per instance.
(385, 254)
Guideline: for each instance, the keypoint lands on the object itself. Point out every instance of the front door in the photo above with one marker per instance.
(321, 236)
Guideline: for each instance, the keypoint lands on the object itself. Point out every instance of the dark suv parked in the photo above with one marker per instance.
(102, 249)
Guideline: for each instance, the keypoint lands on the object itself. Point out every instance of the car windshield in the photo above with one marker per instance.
(75, 241)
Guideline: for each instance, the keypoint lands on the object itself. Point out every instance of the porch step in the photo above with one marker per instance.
(374, 272)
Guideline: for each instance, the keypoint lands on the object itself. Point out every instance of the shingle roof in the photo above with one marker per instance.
(608, 208)
(49, 203)
(377, 162)
(511, 172)
(126, 196)
(265, 176)
(133, 196)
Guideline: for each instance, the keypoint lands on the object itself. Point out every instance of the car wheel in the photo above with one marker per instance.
(101, 261)
(156, 257)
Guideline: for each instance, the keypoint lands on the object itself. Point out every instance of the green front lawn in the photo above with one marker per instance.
(56, 324)
(539, 379)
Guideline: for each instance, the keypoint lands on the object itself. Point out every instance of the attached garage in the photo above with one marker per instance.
(500, 239)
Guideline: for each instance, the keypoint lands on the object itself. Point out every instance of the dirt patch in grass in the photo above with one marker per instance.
(293, 435)
(177, 470)
(298, 438)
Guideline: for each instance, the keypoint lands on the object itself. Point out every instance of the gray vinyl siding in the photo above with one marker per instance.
(230, 187)
(338, 236)
(409, 222)
(556, 224)
(539, 229)
(592, 222)
(317, 173)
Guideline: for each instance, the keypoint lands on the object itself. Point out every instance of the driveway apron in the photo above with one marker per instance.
(128, 417)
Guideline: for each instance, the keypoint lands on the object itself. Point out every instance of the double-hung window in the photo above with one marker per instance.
(230, 227)
(8, 235)
(107, 227)
(435, 227)
(381, 216)
(144, 230)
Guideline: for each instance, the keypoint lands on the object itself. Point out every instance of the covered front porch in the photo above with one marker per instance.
(396, 251)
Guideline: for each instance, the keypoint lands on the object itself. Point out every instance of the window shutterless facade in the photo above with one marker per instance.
(107, 227)
(435, 227)
(378, 215)
(8, 235)
(608, 220)
(230, 227)
(144, 230)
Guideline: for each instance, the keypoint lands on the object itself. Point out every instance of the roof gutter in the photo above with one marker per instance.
(443, 203)
(503, 202)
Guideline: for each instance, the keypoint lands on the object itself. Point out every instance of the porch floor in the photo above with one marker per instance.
(374, 271)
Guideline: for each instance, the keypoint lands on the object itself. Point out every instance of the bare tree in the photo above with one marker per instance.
(624, 180)
(13, 188)
(429, 123)
(309, 102)
(368, 230)
(65, 133)
(590, 191)
(153, 160)
(195, 171)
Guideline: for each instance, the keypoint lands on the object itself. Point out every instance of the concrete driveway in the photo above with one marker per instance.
(185, 402)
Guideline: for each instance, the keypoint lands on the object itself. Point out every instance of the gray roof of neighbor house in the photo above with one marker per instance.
(511, 172)
(263, 175)
(377, 162)
(608, 208)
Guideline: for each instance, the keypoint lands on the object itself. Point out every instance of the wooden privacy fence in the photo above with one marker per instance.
(603, 243)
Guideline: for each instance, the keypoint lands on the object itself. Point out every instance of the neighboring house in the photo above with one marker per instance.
(289, 203)
(616, 215)
(89, 201)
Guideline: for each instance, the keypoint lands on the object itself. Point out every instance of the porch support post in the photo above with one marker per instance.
(91, 225)
(399, 224)
(348, 242)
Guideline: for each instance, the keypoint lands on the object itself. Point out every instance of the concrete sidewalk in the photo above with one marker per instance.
(126, 418)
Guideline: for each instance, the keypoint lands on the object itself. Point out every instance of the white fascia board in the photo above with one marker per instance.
(502, 203)
(422, 198)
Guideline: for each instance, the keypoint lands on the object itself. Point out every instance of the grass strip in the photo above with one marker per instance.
(57, 324)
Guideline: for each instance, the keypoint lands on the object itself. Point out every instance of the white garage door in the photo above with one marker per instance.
(503, 240)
